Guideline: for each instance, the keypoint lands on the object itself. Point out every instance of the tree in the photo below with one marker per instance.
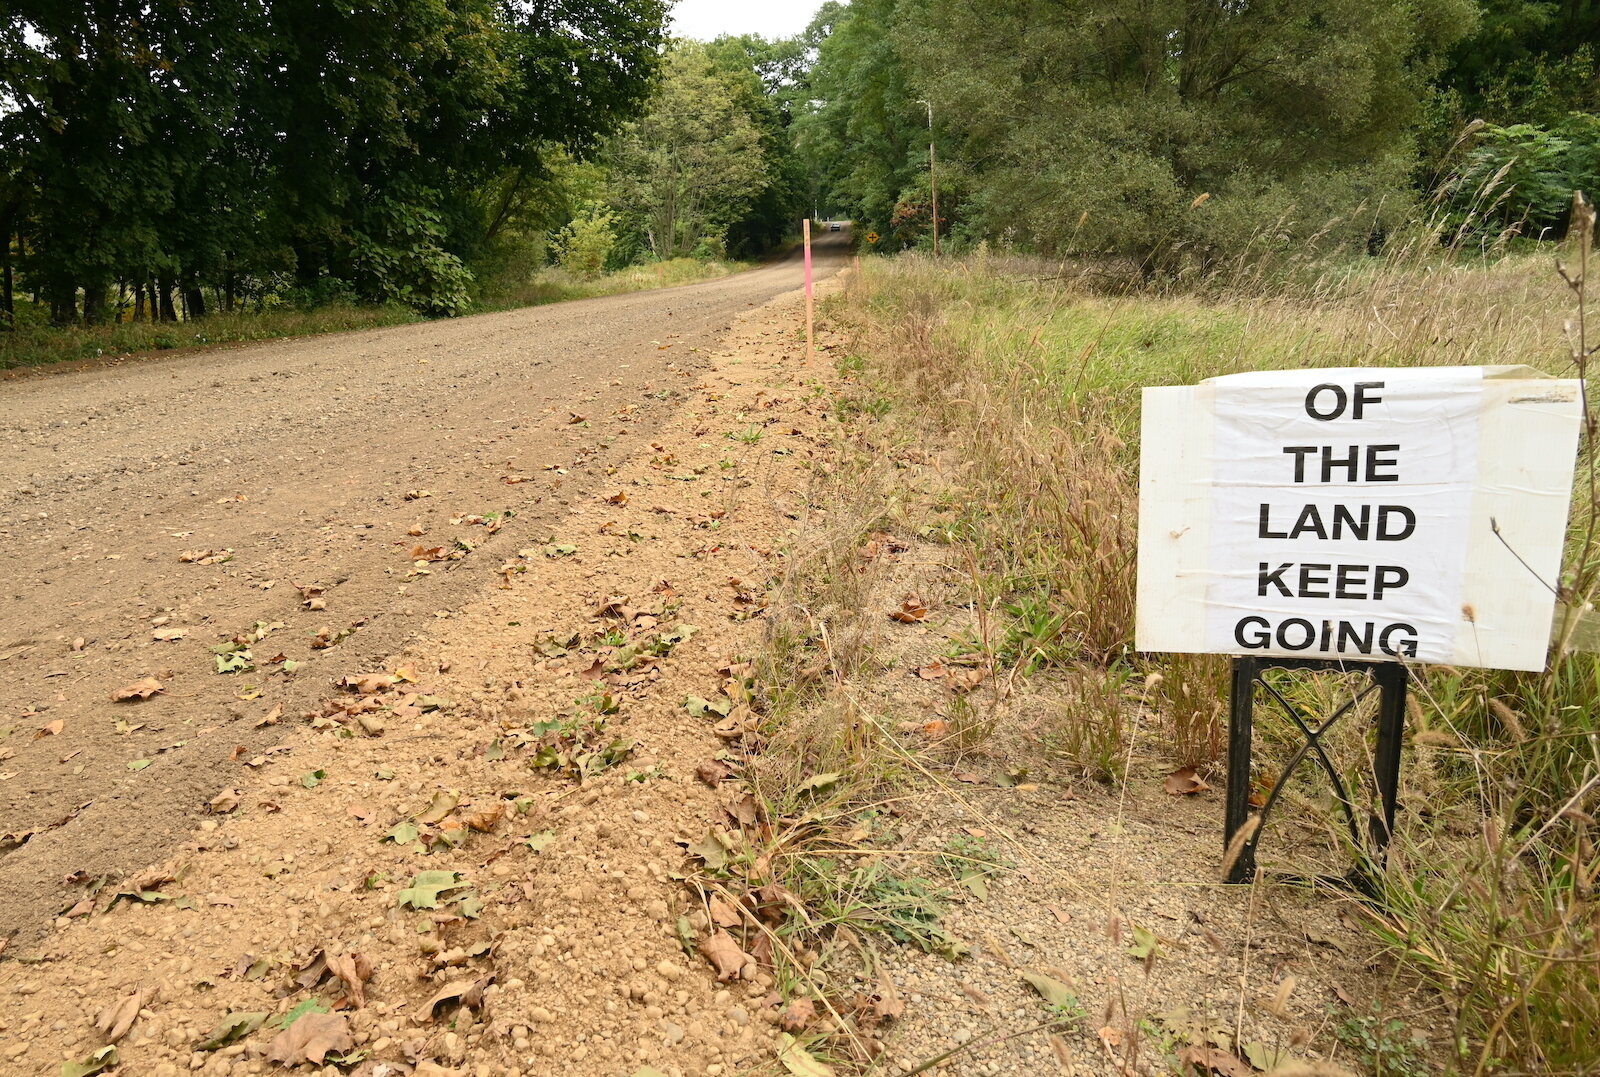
(693, 165)
(1094, 125)
(863, 136)
(178, 143)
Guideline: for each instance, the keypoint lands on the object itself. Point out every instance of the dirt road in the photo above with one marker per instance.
(344, 490)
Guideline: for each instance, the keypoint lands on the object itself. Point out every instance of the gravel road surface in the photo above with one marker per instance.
(327, 471)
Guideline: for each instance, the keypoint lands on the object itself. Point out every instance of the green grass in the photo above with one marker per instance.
(1034, 382)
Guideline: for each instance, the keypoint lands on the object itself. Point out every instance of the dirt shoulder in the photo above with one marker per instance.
(563, 911)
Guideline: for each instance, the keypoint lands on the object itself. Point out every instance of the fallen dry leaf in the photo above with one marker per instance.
(225, 801)
(911, 611)
(116, 1019)
(1213, 1059)
(50, 729)
(797, 1015)
(724, 955)
(205, 557)
(1184, 782)
(724, 914)
(169, 635)
(137, 690)
(311, 1039)
(485, 821)
(468, 993)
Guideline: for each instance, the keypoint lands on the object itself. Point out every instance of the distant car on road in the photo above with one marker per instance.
(834, 227)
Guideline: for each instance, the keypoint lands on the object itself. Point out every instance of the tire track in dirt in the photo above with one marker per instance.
(299, 459)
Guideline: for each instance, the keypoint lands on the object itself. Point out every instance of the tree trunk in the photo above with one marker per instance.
(94, 304)
(138, 301)
(8, 307)
(63, 303)
(164, 295)
(194, 302)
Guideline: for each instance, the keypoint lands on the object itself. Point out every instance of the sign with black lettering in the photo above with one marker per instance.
(1370, 514)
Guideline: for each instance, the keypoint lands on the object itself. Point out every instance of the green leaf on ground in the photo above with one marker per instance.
(797, 1060)
(818, 783)
(1144, 943)
(234, 1026)
(404, 833)
(139, 764)
(98, 1062)
(425, 888)
(310, 1005)
(313, 778)
(538, 841)
(1053, 991)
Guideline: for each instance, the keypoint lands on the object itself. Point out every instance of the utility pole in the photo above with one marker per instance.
(933, 179)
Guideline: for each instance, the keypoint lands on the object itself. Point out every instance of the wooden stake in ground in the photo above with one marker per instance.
(810, 326)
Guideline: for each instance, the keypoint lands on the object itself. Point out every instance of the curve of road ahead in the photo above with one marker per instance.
(311, 461)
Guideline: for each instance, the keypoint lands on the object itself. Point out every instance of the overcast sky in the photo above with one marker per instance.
(705, 19)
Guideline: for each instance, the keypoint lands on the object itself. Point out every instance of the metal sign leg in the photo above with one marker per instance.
(1389, 680)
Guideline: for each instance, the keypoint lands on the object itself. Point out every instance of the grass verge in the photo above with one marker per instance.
(1030, 379)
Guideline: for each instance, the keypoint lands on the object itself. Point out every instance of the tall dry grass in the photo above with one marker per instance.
(1032, 372)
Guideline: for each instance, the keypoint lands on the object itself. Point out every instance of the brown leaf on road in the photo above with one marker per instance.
(137, 690)
(225, 801)
(934, 671)
(468, 993)
(1215, 1060)
(368, 683)
(311, 1039)
(116, 1019)
(1184, 782)
(712, 772)
(724, 955)
(724, 914)
(50, 729)
(911, 611)
(619, 498)
(797, 1015)
(205, 557)
(353, 970)
(169, 635)
(485, 821)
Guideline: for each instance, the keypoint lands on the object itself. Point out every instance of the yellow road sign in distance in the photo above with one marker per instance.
(872, 237)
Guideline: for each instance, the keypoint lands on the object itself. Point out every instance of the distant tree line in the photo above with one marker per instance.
(162, 158)
(1192, 129)
(168, 145)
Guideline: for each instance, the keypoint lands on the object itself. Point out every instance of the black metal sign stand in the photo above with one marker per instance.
(1389, 679)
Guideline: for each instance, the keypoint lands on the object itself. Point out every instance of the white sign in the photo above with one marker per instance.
(1353, 513)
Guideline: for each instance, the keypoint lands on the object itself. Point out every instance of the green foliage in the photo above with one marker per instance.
(693, 166)
(1181, 131)
(248, 144)
(1383, 1044)
(1524, 174)
(586, 243)
(1528, 61)
(398, 256)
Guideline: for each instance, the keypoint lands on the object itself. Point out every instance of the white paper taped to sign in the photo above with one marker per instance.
(1351, 513)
